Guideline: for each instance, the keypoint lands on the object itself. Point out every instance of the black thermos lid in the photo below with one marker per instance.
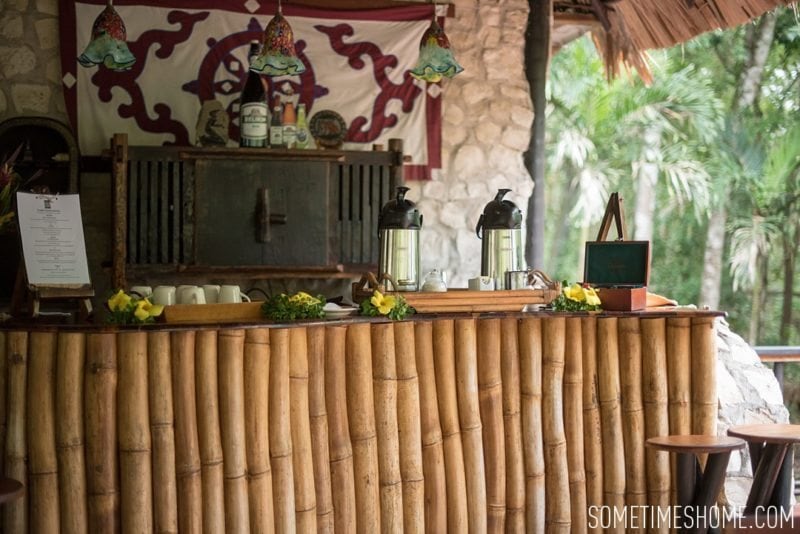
(400, 213)
(500, 214)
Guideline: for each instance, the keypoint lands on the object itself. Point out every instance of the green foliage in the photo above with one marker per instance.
(299, 306)
(394, 307)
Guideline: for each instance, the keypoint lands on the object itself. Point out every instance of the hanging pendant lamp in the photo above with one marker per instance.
(436, 59)
(278, 56)
(108, 46)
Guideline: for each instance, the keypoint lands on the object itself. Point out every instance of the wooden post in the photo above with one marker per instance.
(445, 371)
(573, 419)
(341, 451)
(100, 405)
(490, 394)
(654, 386)
(318, 415)
(42, 462)
(187, 446)
(679, 384)
(704, 378)
(280, 436)
(396, 178)
(256, 420)
(232, 427)
(162, 429)
(530, 365)
(592, 429)
(630, 376)
(556, 470)
(512, 426)
(410, 433)
(208, 430)
(119, 152)
(384, 384)
(433, 463)
(305, 500)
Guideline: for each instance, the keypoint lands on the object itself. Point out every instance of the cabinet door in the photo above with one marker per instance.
(227, 209)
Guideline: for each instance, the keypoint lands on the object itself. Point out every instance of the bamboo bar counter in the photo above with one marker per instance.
(442, 423)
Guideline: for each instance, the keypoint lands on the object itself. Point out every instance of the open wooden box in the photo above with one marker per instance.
(620, 271)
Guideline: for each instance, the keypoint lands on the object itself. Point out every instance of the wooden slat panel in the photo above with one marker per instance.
(187, 202)
(163, 211)
(366, 219)
(344, 207)
(354, 254)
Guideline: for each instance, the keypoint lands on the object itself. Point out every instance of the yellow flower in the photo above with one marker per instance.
(382, 302)
(303, 298)
(591, 296)
(119, 301)
(141, 312)
(575, 292)
(153, 309)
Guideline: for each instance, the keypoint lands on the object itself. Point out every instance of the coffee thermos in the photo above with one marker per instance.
(399, 223)
(500, 228)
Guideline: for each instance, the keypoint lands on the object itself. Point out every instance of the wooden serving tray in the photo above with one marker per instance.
(466, 300)
(213, 313)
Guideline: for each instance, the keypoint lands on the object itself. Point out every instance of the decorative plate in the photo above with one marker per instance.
(328, 129)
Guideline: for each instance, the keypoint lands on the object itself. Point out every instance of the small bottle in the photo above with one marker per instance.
(275, 127)
(289, 125)
(303, 134)
(253, 112)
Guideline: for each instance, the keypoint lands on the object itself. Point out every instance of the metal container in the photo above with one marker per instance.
(398, 232)
(500, 228)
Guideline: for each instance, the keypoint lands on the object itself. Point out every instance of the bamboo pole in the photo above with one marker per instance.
(410, 431)
(280, 436)
(512, 426)
(212, 475)
(679, 384)
(42, 461)
(556, 471)
(162, 430)
(530, 365)
(15, 513)
(69, 432)
(232, 428)
(341, 451)
(305, 500)
(611, 416)
(256, 419)
(3, 396)
(361, 414)
(187, 445)
(704, 378)
(445, 372)
(490, 395)
(630, 373)
(318, 415)
(592, 429)
(384, 384)
(654, 385)
(573, 418)
(433, 466)
(133, 427)
(100, 405)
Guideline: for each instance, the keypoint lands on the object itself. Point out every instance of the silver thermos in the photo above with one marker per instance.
(500, 228)
(398, 232)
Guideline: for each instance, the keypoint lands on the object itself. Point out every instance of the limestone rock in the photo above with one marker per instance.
(490, 37)
(29, 97)
(53, 70)
(3, 104)
(488, 133)
(47, 32)
(503, 63)
(490, 15)
(516, 138)
(453, 113)
(522, 115)
(19, 5)
(516, 94)
(16, 60)
(11, 25)
(47, 7)
(468, 159)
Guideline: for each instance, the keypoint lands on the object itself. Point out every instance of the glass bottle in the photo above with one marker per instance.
(253, 112)
(303, 134)
(276, 126)
(289, 125)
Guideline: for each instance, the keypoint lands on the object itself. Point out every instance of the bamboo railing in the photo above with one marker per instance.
(515, 423)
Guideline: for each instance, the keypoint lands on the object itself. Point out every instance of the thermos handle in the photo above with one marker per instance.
(479, 226)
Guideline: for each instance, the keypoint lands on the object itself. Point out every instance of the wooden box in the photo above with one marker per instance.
(620, 270)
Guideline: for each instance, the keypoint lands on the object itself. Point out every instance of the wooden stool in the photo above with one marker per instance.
(10, 489)
(771, 458)
(698, 490)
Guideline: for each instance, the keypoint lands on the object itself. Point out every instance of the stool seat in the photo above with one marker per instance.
(10, 489)
(767, 433)
(698, 444)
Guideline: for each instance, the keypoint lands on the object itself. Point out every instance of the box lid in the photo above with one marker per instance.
(617, 263)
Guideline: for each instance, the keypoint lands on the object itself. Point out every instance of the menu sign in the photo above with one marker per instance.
(52, 239)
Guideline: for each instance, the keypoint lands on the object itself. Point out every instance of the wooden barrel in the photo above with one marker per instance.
(232, 429)
(530, 365)
(42, 461)
(208, 428)
(490, 393)
(361, 413)
(630, 373)
(280, 436)
(305, 499)
(409, 428)
(133, 427)
(100, 408)
(256, 422)
(573, 419)
(162, 429)
(592, 428)
(512, 426)
(318, 415)
(433, 462)
(444, 360)
(187, 443)
(341, 450)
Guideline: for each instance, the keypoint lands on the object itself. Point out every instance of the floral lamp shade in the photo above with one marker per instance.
(436, 59)
(108, 46)
(278, 56)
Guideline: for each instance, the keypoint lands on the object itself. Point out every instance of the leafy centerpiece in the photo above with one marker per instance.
(126, 309)
(301, 305)
(577, 297)
(394, 307)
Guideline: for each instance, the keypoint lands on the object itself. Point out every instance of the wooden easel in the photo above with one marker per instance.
(613, 211)
(27, 298)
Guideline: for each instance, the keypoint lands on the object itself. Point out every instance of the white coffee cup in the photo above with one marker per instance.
(191, 295)
(142, 291)
(164, 295)
(231, 294)
(212, 293)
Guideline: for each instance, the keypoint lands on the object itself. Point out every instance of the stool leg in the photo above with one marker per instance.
(755, 448)
(708, 489)
(765, 476)
(686, 466)
(782, 493)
